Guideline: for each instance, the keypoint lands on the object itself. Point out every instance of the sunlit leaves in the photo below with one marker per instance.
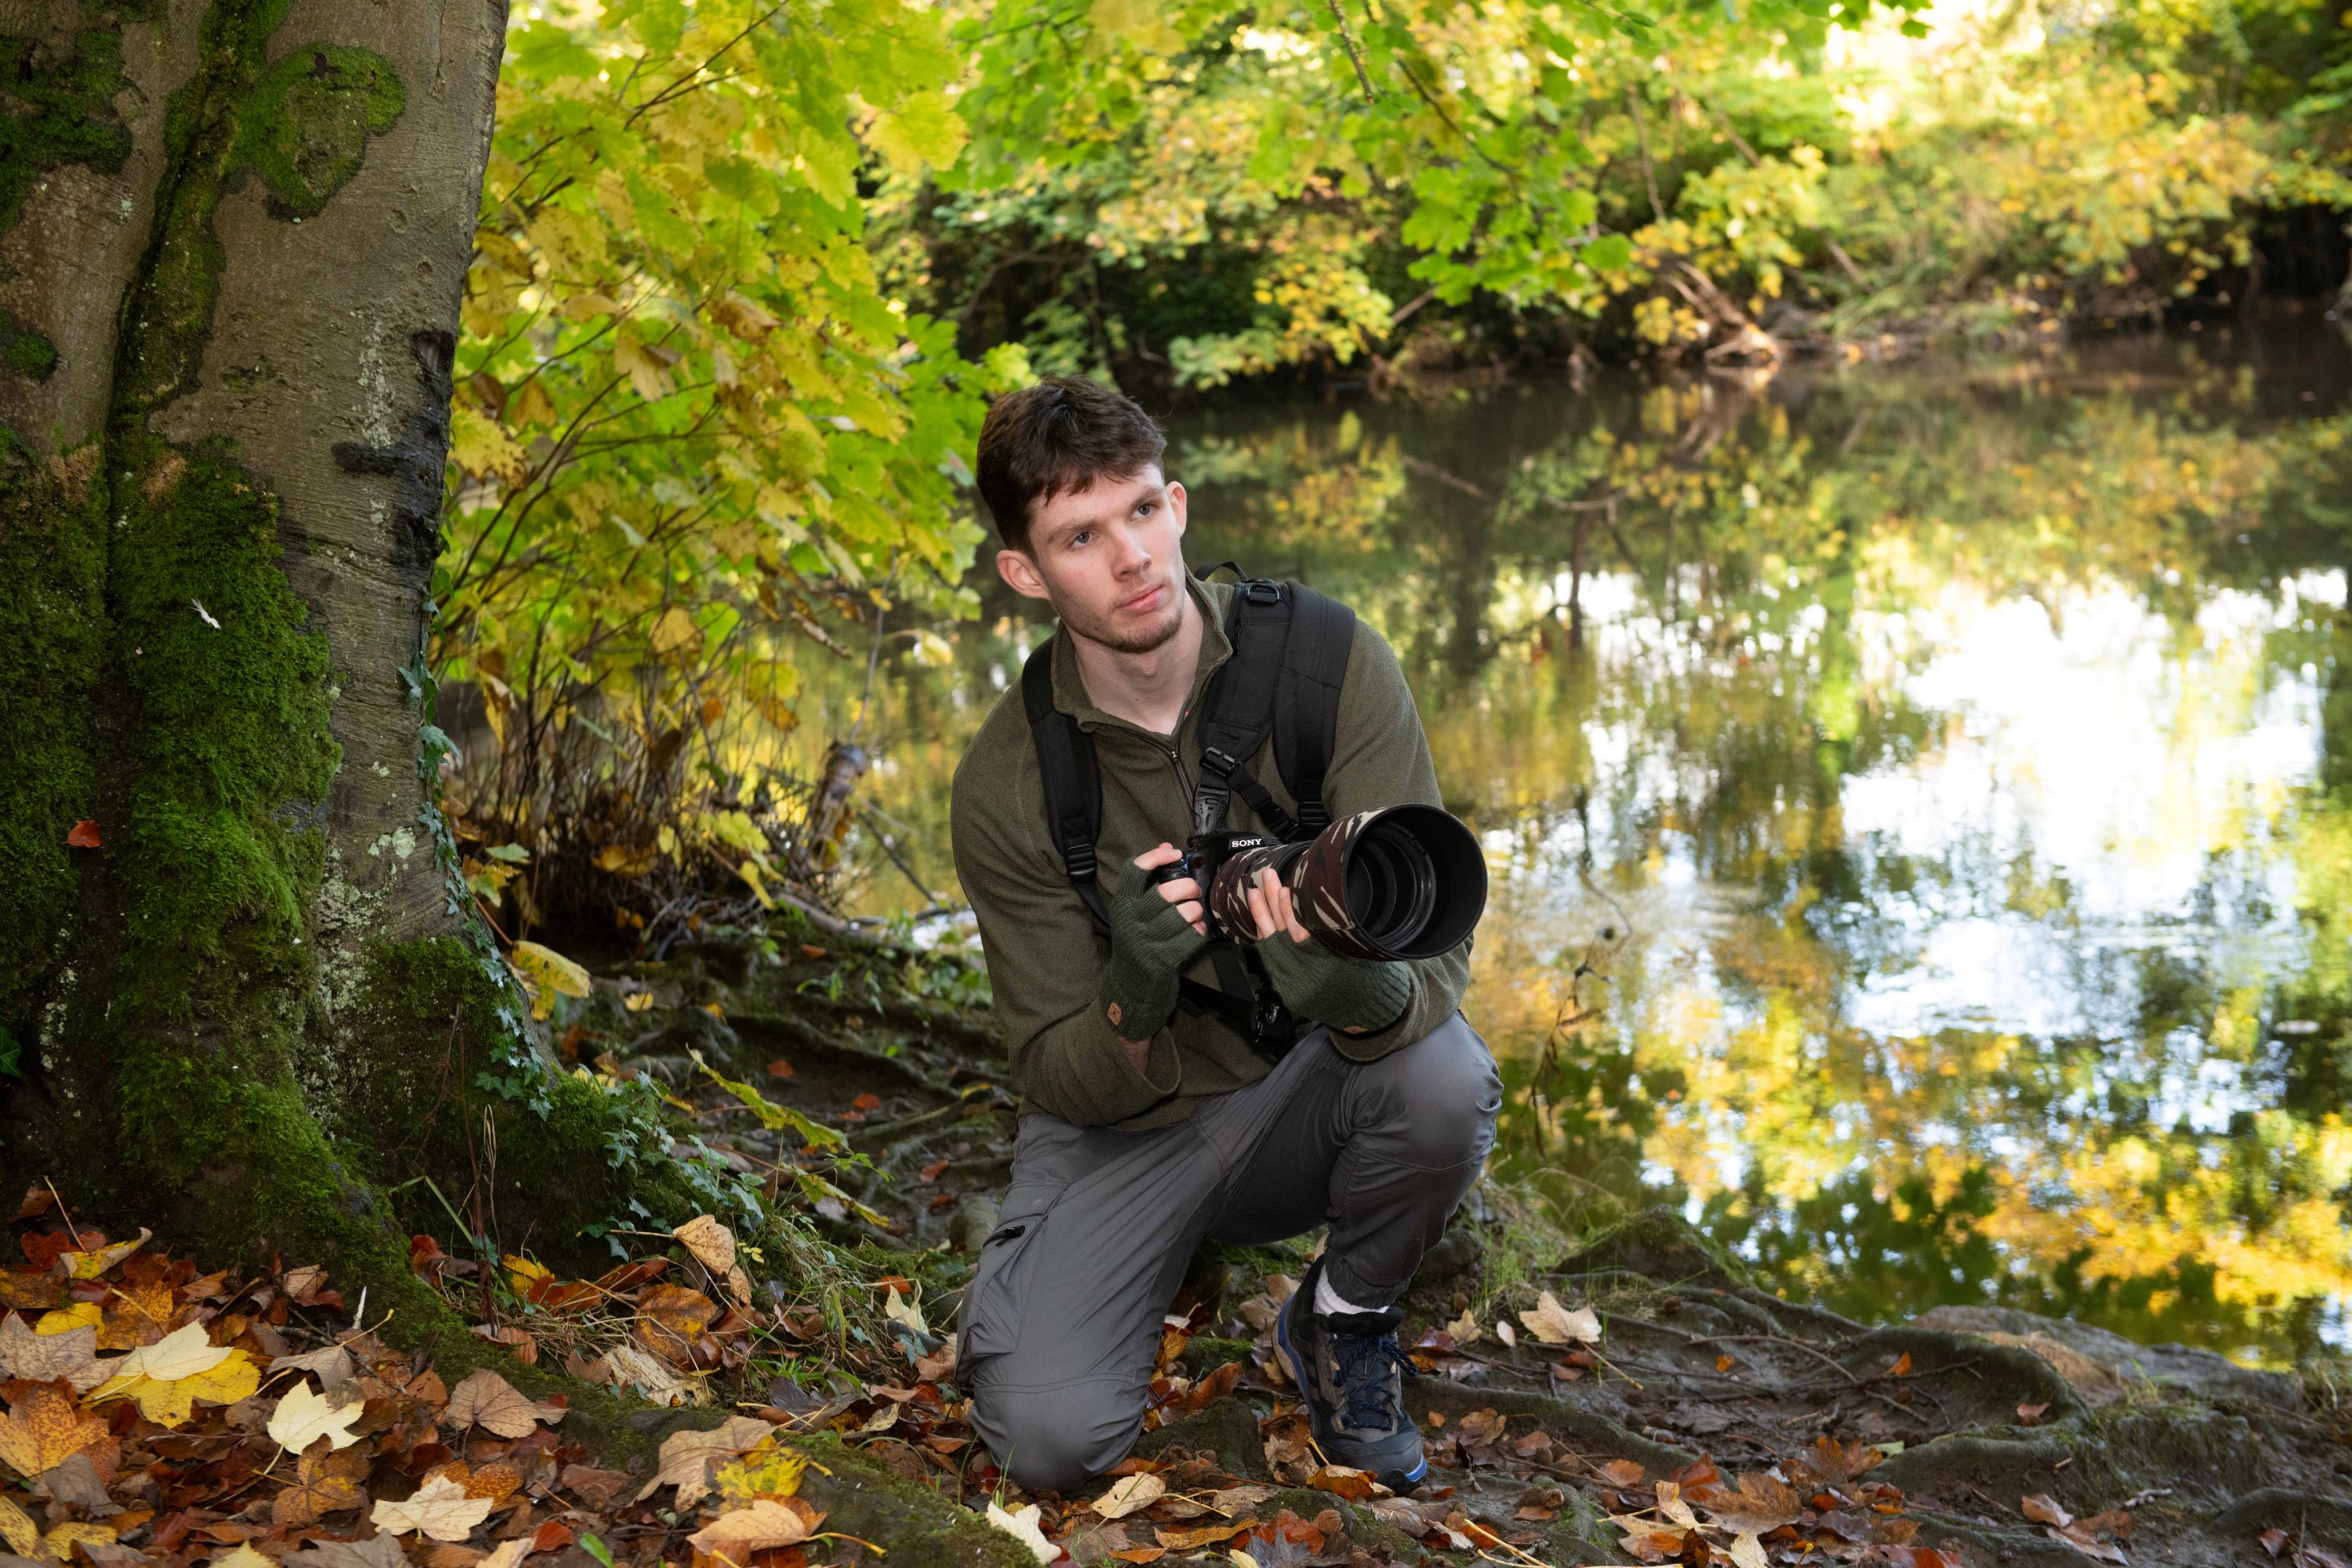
(686, 412)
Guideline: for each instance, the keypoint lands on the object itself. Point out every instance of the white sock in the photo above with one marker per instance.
(1328, 1301)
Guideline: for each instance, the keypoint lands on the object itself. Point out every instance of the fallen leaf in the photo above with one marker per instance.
(1185, 1540)
(1555, 1324)
(23, 1537)
(1760, 1504)
(139, 1314)
(779, 1068)
(303, 1416)
(1672, 1506)
(685, 1456)
(1747, 1551)
(771, 1469)
(485, 1399)
(1021, 1525)
(325, 1482)
(1902, 1367)
(375, 1552)
(1339, 1481)
(1464, 1329)
(224, 1376)
(2046, 1509)
(1622, 1473)
(1480, 1427)
(712, 1243)
(83, 835)
(1507, 1333)
(767, 1522)
(46, 1429)
(900, 1307)
(671, 1319)
(44, 1358)
(508, 1553)
(597, 1489)
(2030, 1414)
(440, 1508)
(1128, 1494)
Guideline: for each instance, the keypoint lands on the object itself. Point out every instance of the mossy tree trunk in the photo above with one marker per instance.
(233, 238)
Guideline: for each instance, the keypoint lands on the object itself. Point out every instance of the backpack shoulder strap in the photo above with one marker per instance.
(1072, 787)
(1238, 709)
(1306, 699)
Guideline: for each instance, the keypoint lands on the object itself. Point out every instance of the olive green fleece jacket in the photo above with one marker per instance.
(1043, 954)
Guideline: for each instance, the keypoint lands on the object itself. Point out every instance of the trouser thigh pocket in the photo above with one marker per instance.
(989, 1323)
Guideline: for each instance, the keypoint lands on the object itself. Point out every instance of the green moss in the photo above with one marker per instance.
(61, 110)
(304, 128)
(52, 646)
(27, 352)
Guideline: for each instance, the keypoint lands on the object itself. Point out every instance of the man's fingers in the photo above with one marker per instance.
(1164, 854)
(1260, 920)
(1180, 889)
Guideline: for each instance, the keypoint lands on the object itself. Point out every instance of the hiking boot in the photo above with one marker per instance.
(1347, 1368)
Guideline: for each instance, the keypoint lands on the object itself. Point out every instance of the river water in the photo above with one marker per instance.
(1919, 799)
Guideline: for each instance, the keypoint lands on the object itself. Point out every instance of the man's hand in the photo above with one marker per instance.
(1155, 930)
(1273, 908)
(1184, 893)
(1352, 996)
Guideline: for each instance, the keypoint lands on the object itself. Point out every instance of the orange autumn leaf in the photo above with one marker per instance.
(83, 835)
(47, 1428)
(137, 1315)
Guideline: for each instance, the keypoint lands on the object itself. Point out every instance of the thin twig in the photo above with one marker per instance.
(1355, 56)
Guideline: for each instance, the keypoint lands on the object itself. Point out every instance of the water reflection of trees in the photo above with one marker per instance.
(1651, 637)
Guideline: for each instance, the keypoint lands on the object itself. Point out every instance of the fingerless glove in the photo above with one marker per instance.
(1355, 996)
(1149, 946)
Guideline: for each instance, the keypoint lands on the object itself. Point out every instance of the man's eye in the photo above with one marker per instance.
(1144, 510)
(1079, 538)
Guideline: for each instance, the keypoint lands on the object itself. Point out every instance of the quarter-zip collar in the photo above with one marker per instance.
(1070, 688)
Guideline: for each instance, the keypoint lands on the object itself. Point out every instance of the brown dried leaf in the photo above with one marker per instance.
(685, 1456)
(328, 1480)
(769, 1521)
(45, 1357)
(1185, 1540)
(488, 1401)
(1761, 1504)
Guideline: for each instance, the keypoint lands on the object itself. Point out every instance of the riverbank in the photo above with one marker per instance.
(1983, 1435)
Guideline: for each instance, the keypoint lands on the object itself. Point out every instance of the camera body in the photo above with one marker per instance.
(1205, 854)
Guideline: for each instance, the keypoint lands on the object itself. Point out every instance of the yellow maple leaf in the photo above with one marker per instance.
(169, 1376)
(64, 1320)
(303, 1416)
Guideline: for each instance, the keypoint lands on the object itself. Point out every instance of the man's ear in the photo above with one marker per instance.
(1176, 505)
(1020, 573)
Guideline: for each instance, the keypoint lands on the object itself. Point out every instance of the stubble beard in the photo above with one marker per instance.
(1133, 639)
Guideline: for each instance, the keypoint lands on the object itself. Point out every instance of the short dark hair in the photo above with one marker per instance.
(1060, 435)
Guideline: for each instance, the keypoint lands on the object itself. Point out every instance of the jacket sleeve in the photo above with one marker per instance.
(1044, 959)
(1380, 758)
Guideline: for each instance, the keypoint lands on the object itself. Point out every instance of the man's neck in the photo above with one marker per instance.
(1146, 689)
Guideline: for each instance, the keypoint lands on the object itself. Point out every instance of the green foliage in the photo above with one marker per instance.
(1201, 194)
(693, 431)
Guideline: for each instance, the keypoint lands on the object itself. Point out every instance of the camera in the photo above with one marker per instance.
(1404, 882)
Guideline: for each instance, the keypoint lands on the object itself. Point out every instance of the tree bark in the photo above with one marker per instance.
(233, 238)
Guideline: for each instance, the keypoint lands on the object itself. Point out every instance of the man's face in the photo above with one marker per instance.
(1108, 559)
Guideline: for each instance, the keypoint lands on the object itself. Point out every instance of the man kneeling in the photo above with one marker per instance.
(1177, 1087)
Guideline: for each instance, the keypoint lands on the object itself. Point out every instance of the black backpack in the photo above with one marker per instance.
(1290, 658)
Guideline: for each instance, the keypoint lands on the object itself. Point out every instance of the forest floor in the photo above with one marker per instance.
(1633, 1397)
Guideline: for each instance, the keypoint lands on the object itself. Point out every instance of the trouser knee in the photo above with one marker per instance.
(1445, 1093)
(1057, 1438)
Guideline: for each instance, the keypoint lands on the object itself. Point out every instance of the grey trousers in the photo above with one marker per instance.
(1061, 1322)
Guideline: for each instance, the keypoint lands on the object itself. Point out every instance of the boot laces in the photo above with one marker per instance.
(1366, 1362)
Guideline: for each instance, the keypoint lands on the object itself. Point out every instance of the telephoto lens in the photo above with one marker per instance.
(1405, 881)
